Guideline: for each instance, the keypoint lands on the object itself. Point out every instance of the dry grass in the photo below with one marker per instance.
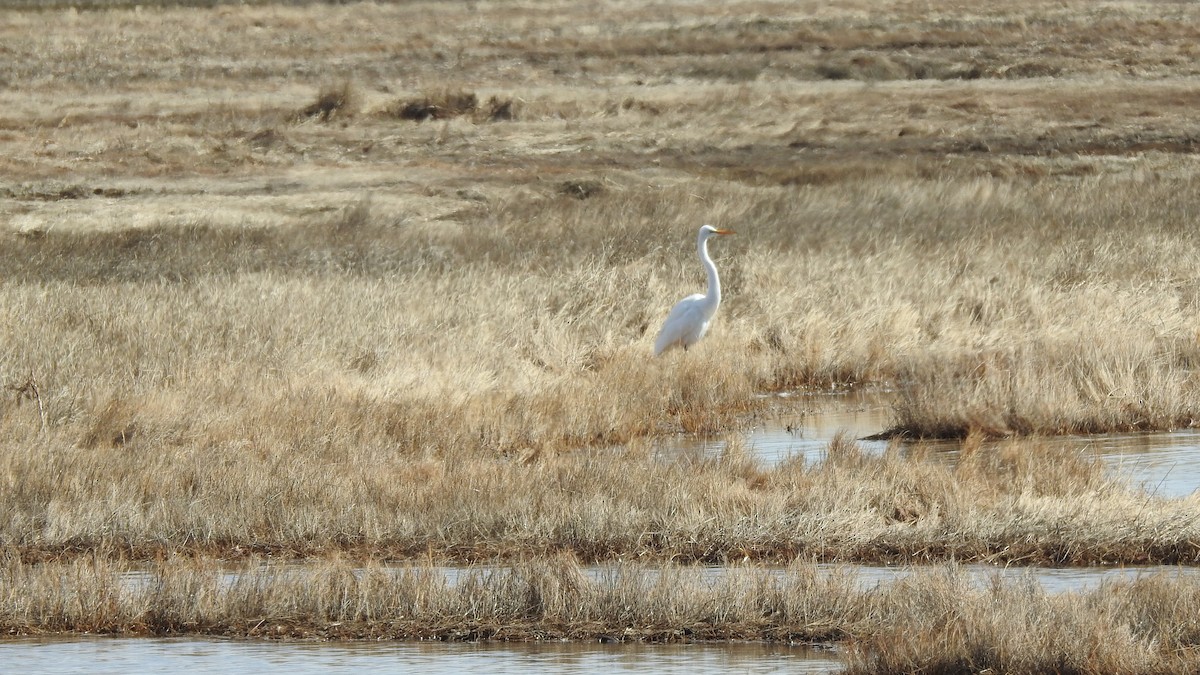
(936, 623)
(250, 308)
(934, 620)
(332, 101)
(450, 104)
(127, 490)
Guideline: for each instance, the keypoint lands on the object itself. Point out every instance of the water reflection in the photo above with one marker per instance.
(1055, 580)
(130, 655)
(1052, 580)
(1165, 464)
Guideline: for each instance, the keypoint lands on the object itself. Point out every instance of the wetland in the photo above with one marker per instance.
(332, 323)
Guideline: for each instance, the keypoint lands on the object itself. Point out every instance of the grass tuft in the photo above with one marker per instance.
(335, 100)
(442, 105)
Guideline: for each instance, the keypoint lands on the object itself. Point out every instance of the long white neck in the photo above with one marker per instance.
(713, 297)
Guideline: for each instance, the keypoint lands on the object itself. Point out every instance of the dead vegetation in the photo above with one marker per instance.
(935, 620)
(446, 105)
(333, 100)
(138, 491)
(438, 107)
(258, 323)
(935, 623)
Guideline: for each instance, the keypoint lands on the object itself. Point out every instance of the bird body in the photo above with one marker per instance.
(690, 318)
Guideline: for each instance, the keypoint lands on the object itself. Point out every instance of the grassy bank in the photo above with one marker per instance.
(950, 623)
(1022, 502)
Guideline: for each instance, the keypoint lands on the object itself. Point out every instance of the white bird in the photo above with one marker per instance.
(689, 318)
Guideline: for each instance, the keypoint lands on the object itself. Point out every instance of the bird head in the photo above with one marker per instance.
(707, 231)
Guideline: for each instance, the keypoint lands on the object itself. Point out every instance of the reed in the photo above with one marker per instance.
(940, 625)
(935, 620)
(1022, 501)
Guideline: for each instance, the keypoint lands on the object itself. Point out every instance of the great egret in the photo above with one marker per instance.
(689, 318)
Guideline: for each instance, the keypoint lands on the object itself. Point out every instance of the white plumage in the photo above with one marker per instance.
(690, 317)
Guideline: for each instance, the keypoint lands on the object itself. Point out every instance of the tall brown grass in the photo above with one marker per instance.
(527, 332)
(253, 334)
(543, 598)
(135, 495)
(936, 624)
(935, 620)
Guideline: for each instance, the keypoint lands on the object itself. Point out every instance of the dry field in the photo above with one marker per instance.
(381, 280)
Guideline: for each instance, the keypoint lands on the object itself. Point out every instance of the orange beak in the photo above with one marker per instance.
(726, 232)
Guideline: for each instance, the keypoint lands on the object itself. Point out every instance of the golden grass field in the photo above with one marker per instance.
(373, 281)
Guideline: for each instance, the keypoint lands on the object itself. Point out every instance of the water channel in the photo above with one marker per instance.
(1164, 463)
(197, 656)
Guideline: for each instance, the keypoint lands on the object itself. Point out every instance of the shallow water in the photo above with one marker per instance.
(1052, 580)
(1165, 464)
(136, 655)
